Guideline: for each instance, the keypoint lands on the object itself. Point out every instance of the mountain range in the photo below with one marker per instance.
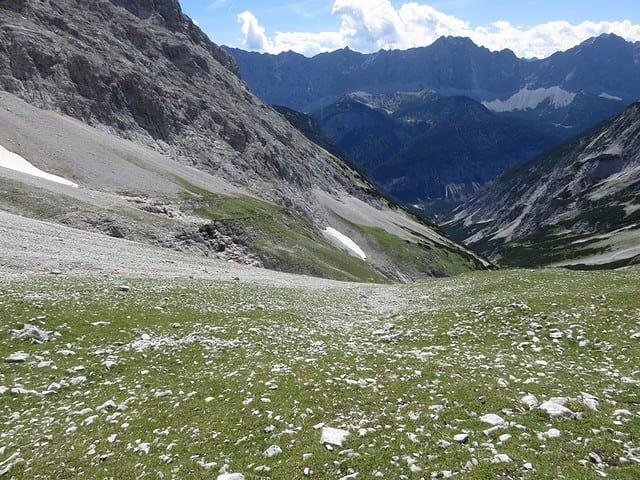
(577, 204)
(450, 66)
(431, 124)
(132, 102)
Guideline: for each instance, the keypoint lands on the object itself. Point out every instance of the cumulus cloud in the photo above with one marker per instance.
(254, 36)
(371, 25)
(368, 24)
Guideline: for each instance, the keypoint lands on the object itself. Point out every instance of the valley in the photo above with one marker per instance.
(197, 284)
(143, 363)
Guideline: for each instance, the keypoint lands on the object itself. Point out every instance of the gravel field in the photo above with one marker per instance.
(29, 246)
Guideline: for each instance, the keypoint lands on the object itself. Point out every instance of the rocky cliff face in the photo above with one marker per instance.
(142, 71)
(578, 200)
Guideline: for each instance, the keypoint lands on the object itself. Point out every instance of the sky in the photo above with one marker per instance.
(529, 28)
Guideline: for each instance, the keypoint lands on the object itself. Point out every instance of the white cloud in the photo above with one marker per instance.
(255, 38)
(254, 35)
(368, 24)
(371, 25)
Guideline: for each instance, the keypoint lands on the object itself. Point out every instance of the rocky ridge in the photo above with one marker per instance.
(577, 200)
(450, 66)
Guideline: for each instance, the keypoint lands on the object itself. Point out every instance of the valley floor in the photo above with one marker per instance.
(138, 362)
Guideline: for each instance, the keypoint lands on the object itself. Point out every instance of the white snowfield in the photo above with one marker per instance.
(13, 161)
(346, 242)
(526, 99)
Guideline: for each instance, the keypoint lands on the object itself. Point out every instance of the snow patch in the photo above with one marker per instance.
(346, 242)
(13, 161)
(609, 97)
(526, 99)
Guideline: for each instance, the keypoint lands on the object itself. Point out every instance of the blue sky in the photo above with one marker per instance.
(530, 28)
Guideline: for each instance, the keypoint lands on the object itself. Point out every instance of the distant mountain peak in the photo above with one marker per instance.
(576, 201)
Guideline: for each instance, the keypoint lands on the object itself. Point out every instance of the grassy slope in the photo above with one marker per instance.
(283, 239)
(237, 368)
(288, 242)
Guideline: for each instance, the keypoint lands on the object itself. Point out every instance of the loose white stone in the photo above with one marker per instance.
(78, 380)
(505, 437)
(489, 431)
(622, 414)
(272, 451)
(54, 387)
(11, 462)
(461, 438)
(207, 465)
(33, 332)
(143, 447)
(493, 419)
(108, 405)
(501, 458)
(231, 476)
(89, 420)
(530, 400)
(333, 436)
(556, 334)
(595, 458)
(17, 357)
(556, 410)
(349, 477)
(590, 401)
(551, 433)
(66, 352)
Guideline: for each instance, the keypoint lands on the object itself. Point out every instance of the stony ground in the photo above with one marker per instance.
(211, 370)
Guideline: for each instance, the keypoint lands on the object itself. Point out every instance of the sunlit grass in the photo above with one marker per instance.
(205, 376)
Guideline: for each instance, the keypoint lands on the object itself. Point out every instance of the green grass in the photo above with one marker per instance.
(283, 239)
(549, 244)
(422, 255)
(318, 355)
